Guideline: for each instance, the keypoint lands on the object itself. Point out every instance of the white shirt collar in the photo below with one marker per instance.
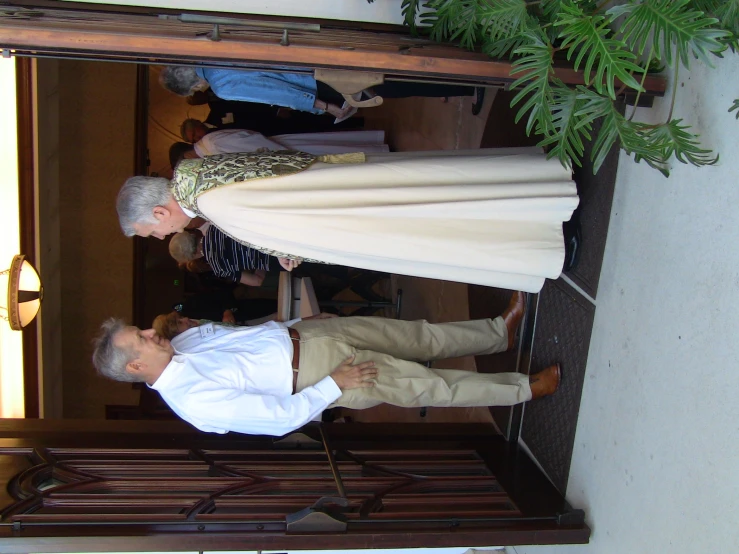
(189, 213)
(167, 375)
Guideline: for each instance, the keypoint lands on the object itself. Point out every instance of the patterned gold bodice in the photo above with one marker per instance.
(193, 177)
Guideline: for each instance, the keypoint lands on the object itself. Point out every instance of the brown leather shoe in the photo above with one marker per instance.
(513, 315)
(545, 382)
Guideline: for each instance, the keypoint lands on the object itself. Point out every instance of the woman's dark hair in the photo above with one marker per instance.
(177, 151)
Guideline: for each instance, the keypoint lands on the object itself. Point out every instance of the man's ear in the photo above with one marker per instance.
(161, 213)
(136, 367)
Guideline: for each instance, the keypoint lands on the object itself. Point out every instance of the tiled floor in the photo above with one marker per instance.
(429, 124)
(655, 459)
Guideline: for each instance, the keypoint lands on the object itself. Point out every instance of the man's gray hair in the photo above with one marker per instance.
(183, 247)
(137, 199)
(179, 79)
(111, 360)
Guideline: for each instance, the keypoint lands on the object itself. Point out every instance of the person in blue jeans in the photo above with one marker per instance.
(298, 91)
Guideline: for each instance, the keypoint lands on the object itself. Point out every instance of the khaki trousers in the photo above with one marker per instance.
(396, 347)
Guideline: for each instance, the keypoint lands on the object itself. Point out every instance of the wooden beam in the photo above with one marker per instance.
(212, 541)
(162, 49)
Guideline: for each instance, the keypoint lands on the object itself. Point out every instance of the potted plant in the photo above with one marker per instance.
(614, 46)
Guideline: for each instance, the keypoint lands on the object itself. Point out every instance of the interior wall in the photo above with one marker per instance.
(48, 236)
(96, 122)
(167, 111)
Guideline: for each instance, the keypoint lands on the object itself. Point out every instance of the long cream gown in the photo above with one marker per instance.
(489, 217)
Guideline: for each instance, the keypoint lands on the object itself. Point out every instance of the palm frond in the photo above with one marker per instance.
(673, 140)
(589, 36)
(728, 15)
(505, 47)
(468, 25)
(616, 130)
(567, 136)
(537, 67)
(665, 24)
(502, 19)
(706, 6)
(411, 10)
(441, 20)
(735, 106)
(452, 19)
(510, 28)
(652, 144)
(551, 8)
(725, 11)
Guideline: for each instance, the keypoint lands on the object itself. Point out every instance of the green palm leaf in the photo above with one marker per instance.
(465, 24)
(410, 9)
(725, 11)
(452, 20)
(653, 144)
(616, 129)
(551, 8)
(537, 68)
(588, 36)
(664, 23)
(568, 134)
(443, 20)
(735, 106)
(505, 47)
(673, 139)
(502, 19)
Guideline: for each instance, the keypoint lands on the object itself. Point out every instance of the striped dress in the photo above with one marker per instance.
(228, 258)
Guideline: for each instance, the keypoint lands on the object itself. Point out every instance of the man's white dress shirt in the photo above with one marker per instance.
(240, 379)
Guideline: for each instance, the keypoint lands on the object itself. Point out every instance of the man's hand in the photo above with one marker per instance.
(288, 264)
(253, 279)
(322, 315)
(348, 376)
(228, 317)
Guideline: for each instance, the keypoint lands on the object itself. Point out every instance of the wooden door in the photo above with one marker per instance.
(148, 35)
(75, 486)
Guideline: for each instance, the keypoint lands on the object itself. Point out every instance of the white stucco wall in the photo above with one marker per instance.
(380, 11)
(655, 458)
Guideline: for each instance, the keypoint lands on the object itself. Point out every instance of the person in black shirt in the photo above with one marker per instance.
(237, 263)
(227, 258)
(221, 305)
(265, 119)
(234, 262)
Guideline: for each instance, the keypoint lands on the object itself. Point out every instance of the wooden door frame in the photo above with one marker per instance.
(418, 59)
(548, 518)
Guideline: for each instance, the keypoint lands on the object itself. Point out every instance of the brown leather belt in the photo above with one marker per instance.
(295, 339)
(295, 336)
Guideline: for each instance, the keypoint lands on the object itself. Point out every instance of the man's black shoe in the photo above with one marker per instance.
(573, 243)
